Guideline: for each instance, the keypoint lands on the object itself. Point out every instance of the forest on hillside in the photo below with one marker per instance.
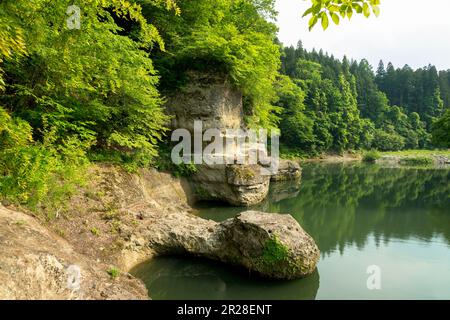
(72, 96)
(335, 105)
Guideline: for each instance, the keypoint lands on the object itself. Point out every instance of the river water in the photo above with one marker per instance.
(392, 222)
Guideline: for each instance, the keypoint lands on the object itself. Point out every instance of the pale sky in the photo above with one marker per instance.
(414, 32)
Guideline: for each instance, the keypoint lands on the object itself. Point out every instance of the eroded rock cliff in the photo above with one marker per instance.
(211, 99)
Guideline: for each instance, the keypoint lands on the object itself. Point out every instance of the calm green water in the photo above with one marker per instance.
(396, 219)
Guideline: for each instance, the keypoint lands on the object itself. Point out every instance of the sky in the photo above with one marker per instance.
(413, 32)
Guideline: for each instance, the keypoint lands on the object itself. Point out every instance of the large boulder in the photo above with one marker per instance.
(271, 245)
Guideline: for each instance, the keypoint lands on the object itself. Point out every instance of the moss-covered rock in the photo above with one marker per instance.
(271, 245)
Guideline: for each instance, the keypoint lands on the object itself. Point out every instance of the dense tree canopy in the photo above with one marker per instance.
(352, 107)
(66, 91)
(441, 131)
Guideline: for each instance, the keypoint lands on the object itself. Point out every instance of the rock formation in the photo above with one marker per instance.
(208, 97)
(271, 245)
(213, 100)
(154, 220)
(239, 185)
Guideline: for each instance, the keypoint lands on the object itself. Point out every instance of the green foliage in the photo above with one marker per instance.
(342, 105)
(328, 117)
(113, 272)
(39, 175)
(294, 153)
(336, 9)
(388, 140)
(96, 82)
(185, 170)
(371, 156)
(68, 92)
(227, 36)
(420, 91)
(296, 126)
(441, 131)
(130, 161)
(165, 163)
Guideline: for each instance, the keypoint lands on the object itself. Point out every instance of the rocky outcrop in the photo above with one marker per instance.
(208, 97)
(137, 217)
(271, 245)
(287, 170)
(37, 264)
(212, 99)
(239, 185)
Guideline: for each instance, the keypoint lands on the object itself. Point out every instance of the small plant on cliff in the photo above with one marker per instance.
(164, 163)
(95, 231)
(113, 272)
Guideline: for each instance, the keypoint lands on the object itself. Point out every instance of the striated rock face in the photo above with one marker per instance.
(207, 97)
(271, 245)
(36, 264)
(213, 100)
(239, 185)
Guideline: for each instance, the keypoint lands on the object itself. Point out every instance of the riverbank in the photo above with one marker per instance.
(122, 219)
(101, 225)
(333, 158)
(437, 157)
(414, 158)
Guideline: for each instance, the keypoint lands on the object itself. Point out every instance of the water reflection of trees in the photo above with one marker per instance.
(343, 204)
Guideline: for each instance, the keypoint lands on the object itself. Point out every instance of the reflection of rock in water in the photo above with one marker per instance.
(190, 278)
(284, 190)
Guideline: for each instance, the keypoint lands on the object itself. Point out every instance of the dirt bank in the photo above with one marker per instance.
(334, 158)
(97, 231)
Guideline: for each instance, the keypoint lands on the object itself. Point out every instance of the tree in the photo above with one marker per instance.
(92, 84)
(441, 131)
(296, 126)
